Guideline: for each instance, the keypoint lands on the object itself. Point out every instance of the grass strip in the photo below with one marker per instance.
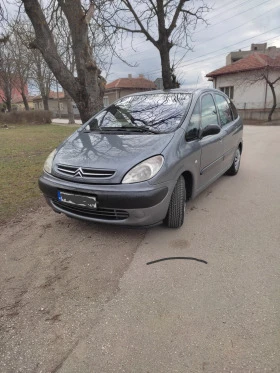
(23, 151)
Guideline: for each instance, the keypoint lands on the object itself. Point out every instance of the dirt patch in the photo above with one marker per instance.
(56, 274)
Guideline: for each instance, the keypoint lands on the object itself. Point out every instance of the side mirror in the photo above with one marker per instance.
(212, 129)
(93, 125)
(192, 134)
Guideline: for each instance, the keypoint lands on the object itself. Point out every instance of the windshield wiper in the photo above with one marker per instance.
(129, 129)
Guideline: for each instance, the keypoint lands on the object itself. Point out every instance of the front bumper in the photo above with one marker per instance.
(138, 204)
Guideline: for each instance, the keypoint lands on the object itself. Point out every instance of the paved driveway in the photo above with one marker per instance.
(78, 297)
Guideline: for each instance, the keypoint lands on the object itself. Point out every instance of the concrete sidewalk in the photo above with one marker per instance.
(64, 121)
(252, 122)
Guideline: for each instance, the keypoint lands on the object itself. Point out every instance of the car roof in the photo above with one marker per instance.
(192, 91)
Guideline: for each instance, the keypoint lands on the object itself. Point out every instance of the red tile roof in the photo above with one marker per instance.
(255, 61)
(52, 95)
(131, 83)
(20, 100)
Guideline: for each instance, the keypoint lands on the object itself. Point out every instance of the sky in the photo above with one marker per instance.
(232, 25)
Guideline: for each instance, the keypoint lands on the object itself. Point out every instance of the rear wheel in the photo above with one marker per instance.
(235, 164)
(176, 210)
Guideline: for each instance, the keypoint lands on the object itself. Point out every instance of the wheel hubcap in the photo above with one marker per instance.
(237, 159)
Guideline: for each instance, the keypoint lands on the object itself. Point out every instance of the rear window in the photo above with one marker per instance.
(160, 113)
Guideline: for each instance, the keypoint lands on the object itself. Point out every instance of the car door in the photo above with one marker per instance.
(212, 148)
(228, 126)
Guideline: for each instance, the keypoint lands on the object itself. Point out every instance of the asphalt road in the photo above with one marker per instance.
(79, 297)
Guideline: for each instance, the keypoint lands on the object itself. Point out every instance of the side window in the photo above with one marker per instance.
(233, 109)
(194, 123)
(223, 109)
(208, 111)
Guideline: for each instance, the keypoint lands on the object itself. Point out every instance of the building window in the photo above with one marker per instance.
(229, 91)
(105, 101)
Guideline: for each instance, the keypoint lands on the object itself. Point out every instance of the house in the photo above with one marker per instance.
(255, 48)
(11, 86)
(159, 83)
(57, 104)
(125, 86)
(243, 81)
(18, 102)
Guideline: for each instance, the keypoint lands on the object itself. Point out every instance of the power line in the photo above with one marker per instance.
(217, 50)
(237, 14)
(222, 54)
(246, 23)
(227, 10)
(192, 63)
(229, 3)
(235, 28)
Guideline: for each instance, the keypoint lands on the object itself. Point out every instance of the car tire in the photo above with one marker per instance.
(234, 168)
(176, 210)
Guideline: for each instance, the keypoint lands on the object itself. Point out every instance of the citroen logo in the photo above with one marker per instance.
(79, 172)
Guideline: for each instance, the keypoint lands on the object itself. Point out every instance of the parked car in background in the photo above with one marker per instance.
(140, 159)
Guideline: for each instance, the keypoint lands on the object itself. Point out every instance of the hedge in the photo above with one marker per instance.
(26, 117)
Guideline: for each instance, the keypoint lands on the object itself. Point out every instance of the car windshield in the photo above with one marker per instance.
(154, 113)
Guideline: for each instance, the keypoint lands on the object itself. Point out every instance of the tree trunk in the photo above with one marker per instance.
(25, 101)
(69, 108)
(168, 76)
(9, 105)
(165, 68)
(274, 101)
(87, 88)
(45, 102)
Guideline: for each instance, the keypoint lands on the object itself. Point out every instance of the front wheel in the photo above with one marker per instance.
(235, 164)
(176, 210)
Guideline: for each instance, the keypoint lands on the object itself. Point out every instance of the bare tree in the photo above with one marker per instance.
(87, 87)
(63, 42)
(165, 24)
(270, 74)
(271, 82)
(41, 77)
(7, 76)
(21, 56)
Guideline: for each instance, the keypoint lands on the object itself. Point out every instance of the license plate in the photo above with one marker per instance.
(77, 199)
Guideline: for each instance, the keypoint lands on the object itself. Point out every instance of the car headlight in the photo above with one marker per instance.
(144, 170)
(49, 161)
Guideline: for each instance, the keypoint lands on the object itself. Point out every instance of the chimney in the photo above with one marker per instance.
(129, 76)
(141, 76)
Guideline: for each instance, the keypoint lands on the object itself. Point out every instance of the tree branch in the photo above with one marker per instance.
(137, 19)
(128, 30)
(275, 81)
(89, 13)
(45, 43)
(175, 17)
(153, 6)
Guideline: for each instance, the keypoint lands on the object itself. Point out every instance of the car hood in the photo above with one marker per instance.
(116, 153)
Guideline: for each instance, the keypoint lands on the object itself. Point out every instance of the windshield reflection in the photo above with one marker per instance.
(158, 113)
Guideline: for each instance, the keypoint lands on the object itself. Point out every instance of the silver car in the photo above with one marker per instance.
(140, 159)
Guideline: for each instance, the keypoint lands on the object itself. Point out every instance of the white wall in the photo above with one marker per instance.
(248, 95)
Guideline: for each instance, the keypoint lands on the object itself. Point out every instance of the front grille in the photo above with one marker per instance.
(84, 172)
(99, 213)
